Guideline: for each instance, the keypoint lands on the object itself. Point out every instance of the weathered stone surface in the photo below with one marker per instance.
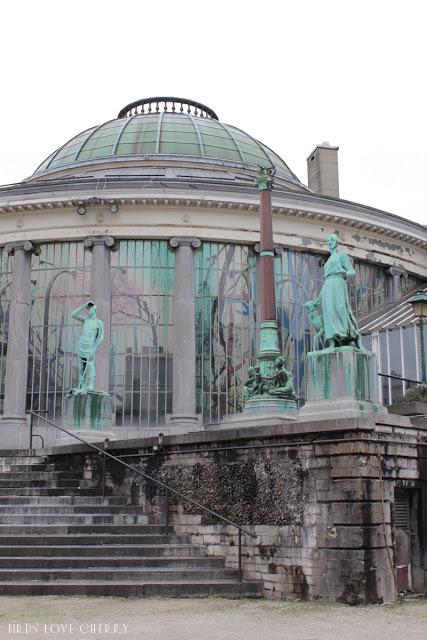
(254, 491)
(341, 382)
(322, 514)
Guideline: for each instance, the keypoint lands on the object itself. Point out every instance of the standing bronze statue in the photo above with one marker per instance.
(338, 326)
(89, 342)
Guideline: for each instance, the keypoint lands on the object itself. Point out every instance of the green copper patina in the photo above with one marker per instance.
(337, 326)
(265, 178)
(270, 385)
(89, 342)
(341, 376)
(86, 408)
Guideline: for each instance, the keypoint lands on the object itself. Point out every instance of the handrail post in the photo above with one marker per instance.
(31, 430)
(167, 512)
(103, 475)
(240, 555)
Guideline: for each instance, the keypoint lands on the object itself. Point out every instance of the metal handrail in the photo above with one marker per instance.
(159, 483)
(388, 375)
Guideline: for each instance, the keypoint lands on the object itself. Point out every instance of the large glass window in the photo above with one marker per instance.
(60, 277)
(142, 332)
(400, 356)
(299, 278)
(410, 369)
(225, 285)
(5, 283)
(226, 336)
(368, 289)
(396, 364)
(226, 303)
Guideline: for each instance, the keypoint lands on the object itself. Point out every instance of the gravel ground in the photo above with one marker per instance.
(206, 619)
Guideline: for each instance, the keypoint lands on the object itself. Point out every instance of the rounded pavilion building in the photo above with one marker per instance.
(155, 215)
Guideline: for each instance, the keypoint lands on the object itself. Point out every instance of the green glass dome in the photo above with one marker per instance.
(181, 130)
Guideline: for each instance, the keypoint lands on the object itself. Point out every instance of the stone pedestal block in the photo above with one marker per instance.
(14, 432)
(341, 382)
(88, 415)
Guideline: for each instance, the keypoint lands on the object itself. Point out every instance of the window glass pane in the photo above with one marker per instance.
(142, 323)
(409, 356)
(383, 366)
(395, 355)
(225, 316)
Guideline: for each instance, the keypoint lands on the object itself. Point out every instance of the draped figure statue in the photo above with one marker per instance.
(339, 324)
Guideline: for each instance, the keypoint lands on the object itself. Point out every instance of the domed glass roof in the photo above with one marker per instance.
(167, 131)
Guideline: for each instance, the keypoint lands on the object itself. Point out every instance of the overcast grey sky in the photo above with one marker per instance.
(292, 74)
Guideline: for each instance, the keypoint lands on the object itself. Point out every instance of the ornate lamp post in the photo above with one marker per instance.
(270, 386)
(419, 307)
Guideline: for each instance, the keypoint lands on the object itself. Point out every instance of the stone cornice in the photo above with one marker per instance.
(311, 207)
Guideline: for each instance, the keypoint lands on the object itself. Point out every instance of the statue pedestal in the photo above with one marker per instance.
(341, 382)
(88, 415)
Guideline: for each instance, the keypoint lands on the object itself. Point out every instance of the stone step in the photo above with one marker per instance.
(84, 501)
(166, 589)
(89, 549)
(75, 518)
(157, 574)
(20, 453)
(26, 467)
(47, 491)
(61, 562)
(39, 483)
(82, 529)
(44, 540)
(68, 509)
(23, 476)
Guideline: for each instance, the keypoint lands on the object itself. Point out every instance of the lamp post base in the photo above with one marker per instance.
(285, 407)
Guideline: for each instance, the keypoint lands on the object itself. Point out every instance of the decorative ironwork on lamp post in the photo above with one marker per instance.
(269, 388)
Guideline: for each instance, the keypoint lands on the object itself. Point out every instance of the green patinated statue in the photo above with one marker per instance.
(337, 326)
(252, 384)
(316, 321)
(282, 383)
(279, 385)
(90, 340)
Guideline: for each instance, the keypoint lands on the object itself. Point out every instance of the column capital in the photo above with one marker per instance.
(92, 241)
(396, 270)
(20, 245)
(185, 241)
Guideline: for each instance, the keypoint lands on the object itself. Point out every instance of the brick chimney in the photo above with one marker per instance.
(322, 170)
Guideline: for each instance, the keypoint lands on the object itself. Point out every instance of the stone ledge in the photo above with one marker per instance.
(245, 431)
(413, 408)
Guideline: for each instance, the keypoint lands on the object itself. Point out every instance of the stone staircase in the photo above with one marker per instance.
(56, 538)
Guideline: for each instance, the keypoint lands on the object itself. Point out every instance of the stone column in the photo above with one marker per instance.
(100, 290)
(396, 274)
(14, 431)
(184, 337)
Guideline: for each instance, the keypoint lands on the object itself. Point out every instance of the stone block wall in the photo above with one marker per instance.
(319, 499)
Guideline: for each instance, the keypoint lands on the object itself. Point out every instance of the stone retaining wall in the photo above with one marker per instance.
(319, 497)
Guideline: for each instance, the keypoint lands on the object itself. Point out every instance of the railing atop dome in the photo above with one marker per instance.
(168, 104)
